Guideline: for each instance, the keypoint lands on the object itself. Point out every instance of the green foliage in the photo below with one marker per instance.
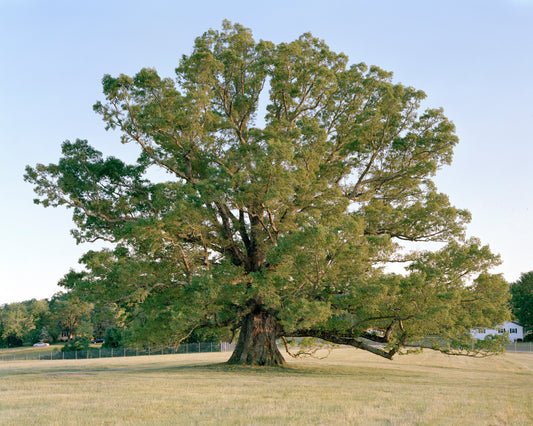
(207, 335)
(522, 299)
(77, 344)
(298, 217)
(114, 338)
(34, 321)
(69, 312)
(85, 330)
(44, 336)
(15, 324)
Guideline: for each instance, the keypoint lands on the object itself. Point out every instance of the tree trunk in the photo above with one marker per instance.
(257, 340)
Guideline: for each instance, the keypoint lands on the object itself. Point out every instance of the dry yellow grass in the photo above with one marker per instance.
(349, 387)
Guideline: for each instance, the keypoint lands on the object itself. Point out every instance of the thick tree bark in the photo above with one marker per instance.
(257, 339)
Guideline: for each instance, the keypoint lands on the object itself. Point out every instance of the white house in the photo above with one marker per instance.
(515, 331)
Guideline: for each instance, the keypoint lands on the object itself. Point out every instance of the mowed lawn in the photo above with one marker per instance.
(348, 387)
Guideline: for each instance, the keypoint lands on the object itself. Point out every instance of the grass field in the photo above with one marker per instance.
(348, 387)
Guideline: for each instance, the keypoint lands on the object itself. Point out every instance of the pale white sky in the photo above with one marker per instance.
(472, 57)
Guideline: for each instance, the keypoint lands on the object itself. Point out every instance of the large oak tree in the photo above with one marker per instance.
(279, 222)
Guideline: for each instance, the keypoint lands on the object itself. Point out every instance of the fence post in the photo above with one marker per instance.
(124, 352)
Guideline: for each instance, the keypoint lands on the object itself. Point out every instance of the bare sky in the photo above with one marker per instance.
(472, 57)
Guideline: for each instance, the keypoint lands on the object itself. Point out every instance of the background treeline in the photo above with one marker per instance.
(67, 318)
(63, 318)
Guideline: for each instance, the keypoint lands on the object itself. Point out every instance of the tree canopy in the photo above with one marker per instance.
(293, 179)
(522, 299)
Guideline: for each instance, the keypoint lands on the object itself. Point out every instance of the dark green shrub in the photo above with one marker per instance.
(113, 338)
(14, 341)
(76, 345)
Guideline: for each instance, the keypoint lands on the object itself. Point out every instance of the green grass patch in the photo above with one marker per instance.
(348, 387)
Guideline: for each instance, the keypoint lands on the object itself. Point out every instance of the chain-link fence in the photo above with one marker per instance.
(519, 347)
(123, 352)
(167, 350)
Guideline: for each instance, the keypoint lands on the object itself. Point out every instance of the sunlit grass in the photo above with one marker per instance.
(349, 387)
(19, 352)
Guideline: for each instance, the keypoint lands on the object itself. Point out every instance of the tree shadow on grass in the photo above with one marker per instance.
(318, 371)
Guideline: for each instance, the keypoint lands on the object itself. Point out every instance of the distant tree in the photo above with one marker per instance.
(103, 316)
(277, 225)
(114, 338)
(16, 324)
(69, 311)
(77, 344)
(522, 299)
(44, 336)
(40, 311)
(85, 330)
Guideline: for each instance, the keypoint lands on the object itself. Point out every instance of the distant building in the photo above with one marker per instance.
(515, 331)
